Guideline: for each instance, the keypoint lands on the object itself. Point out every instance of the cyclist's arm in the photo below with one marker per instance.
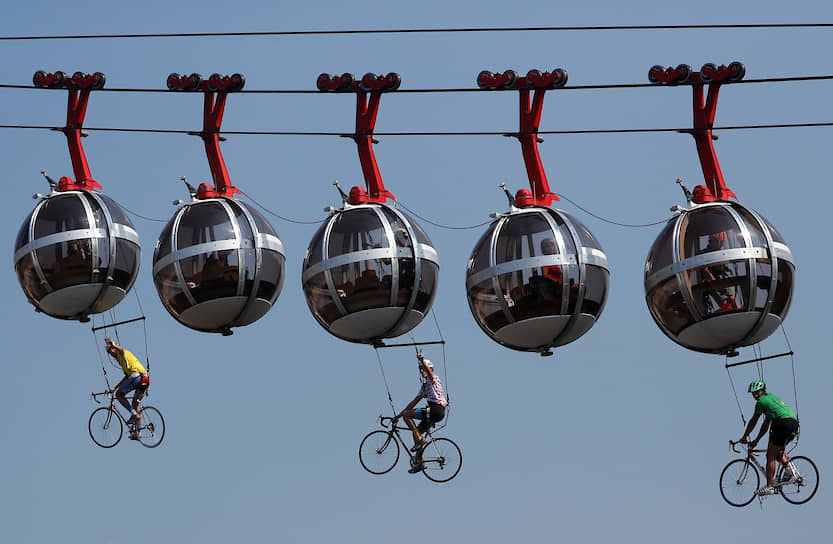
(108, 343)
(749, 428)
(764, 429)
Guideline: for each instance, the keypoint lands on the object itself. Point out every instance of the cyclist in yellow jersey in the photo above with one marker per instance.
(135, 378)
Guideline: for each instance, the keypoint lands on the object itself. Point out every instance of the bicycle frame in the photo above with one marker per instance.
(751, 456)
(113, 408)
(394, 432)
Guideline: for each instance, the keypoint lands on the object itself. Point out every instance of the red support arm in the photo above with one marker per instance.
(704, 113)
(539, 193)
(79, 86)
(366, 110)
(216, 90)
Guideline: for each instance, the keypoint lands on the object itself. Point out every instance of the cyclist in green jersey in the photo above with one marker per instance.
(784, 427)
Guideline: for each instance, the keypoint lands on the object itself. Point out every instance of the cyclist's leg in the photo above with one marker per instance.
(127, 385)
(408, 417)
(779, 435)
(138, 395)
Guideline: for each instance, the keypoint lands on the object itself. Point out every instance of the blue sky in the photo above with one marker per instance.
(620, 434)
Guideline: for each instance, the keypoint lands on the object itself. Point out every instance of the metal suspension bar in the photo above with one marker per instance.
(367, 109)
(142, 318)
(407, 344)
(539, 193)
(79, 86)
(759, 359)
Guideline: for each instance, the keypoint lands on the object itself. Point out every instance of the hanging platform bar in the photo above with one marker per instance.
(759, 359)
(407, 344)
(119, 323)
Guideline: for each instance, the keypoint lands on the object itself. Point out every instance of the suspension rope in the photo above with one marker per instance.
(385, 378)
(792, 364)
(734, 390)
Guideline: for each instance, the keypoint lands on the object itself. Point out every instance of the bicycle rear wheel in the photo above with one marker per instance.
(441, 460)
(738, 482)
(802, 486)
(379, 452)
(105, 427)
(152, 430)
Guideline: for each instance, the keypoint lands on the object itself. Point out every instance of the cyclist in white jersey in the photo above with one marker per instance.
(432, 391)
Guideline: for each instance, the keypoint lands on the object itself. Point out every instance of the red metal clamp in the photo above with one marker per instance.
(530, 115)
(366, 110)
(216, 88)
(79, 86)
(704, 112)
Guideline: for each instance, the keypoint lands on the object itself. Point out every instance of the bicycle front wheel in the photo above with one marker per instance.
(802, 486)
(152, 430)
(739, 482)
(441, 460)
(379, 452)
(105, 427)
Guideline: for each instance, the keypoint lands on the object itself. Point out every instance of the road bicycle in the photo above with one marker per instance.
(440, 458)
(797, 481)
(106, 424)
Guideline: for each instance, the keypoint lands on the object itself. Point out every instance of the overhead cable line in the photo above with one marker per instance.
(345, 32)
(785, 79)
(431, 133)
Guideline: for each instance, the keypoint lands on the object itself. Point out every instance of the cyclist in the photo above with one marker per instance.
(135, 378)
(432, 391)
(784, 427)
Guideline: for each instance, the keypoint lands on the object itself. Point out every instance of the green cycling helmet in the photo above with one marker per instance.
(757, 385)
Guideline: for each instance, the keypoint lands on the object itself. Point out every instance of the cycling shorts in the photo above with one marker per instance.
(432, 413)
(134, 381)
(783, 431)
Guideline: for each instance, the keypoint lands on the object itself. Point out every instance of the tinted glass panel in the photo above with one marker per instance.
(127, 264)
(661, 254)
(485, 306)
(163, 245)
(23, 233)
(783, 289)
(270, 275)
(668, 306)
(170, 290)
(427, 287)
(314, 252)
(116, 211)
(585, 236)
(261, 222)
(28, 278)
(480, 255)
(60, 214)
(595, 293)
(354, 230)
(719, 287)
(72, 264)
(709, 229)
(204, 222)
(319, 299)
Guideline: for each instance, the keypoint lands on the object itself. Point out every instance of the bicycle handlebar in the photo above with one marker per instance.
(95, 396)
